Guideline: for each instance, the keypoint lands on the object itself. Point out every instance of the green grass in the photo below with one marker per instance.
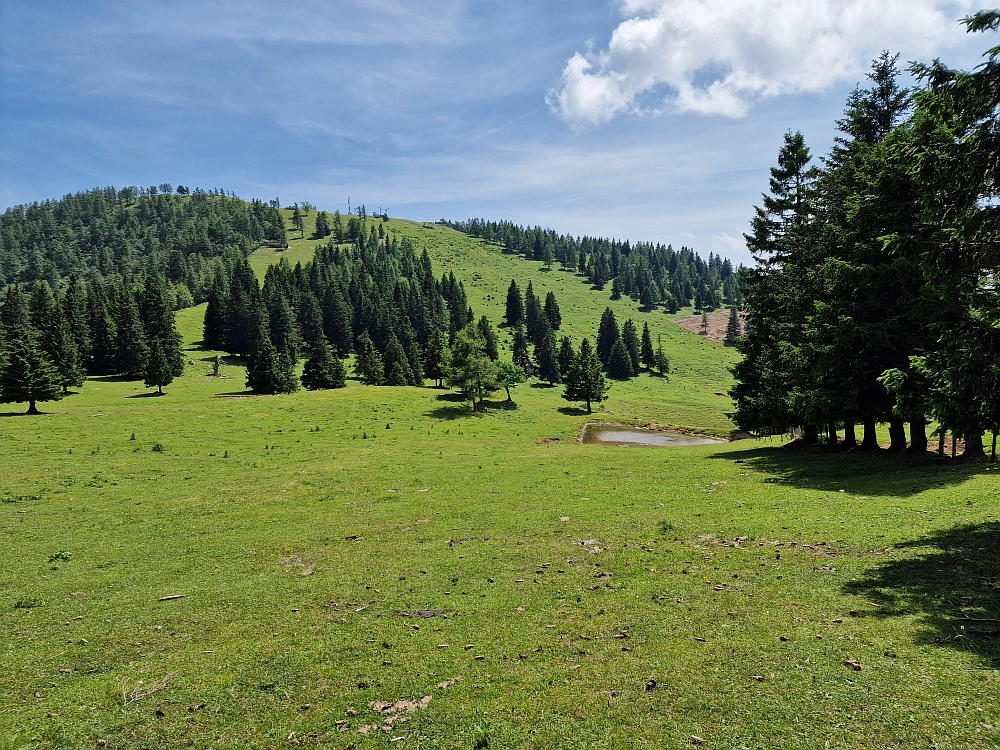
(298, 527)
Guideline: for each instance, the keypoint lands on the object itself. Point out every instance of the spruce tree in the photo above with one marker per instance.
(268, 370)
(631, 340)
(662, 363)
(586, 381)
(616, 289)
(131, 345)
(607, 335)
(323, 369)
(157, 313)
(514, 314)
(566, 355)
(619, 363)
(733, 328)
(547, 358)
(532, 311)
(396, 364)
(646, 354)
(27, 375)
(552, 311)
(490, 337)
(369, 366)
(519, 351)
(437, 357)
(61, 348)
(157, 371)
(214, 329)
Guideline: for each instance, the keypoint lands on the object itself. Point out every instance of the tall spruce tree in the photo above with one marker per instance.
(547, 358)
(619, 363)
(566, 355)
(490, 337)
(607, 335)
(646, 354)
(552, 311)
(323, 369)
(369, 366)
(631, 341)
(27, 375)
(514, 311)
(585, 380)
(268, 370)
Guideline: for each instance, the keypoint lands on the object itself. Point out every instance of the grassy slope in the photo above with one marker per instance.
(250, 493)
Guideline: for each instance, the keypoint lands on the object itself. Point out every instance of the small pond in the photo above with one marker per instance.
(609, 434)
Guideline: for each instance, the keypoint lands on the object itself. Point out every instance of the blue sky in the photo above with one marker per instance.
(646, 119)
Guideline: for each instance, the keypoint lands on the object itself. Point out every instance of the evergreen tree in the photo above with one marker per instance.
(369, 366)
(132, 348)
(14, 314)
(547, 358)
(607, 335)
(662, 363)
(268, 370)
(586, 381)
(616, 289)
(60, 347)
(631, 340)
(323, 369)
(514, 314)
(619, 363)
(322, 226)
(437, 357)
(646, 354)
(214, 329)
(157, 371)
(157, 315)
(646, 299)
(519, 351)
(396, 365)
(733, 328)
(27, 375)
(532, 311)
(338, 228)
(490, 337)
(472, 371)
(297, 222)
(566, 355)
(552, 311)
(75, 310)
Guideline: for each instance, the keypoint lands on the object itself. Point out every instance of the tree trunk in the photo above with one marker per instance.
(831, 435)
(850, 439)
(954, 444)
(159, 389)
(810, 434)
(918, 436)
(588, 406)
(973, 444)
(32, 409)
(897, 435)
(941, 437)
(870, 440)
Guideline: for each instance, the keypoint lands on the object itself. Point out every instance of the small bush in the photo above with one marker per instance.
(666, 527)
(61, 556)
(158, 448)
(27, 603)
(19, 498)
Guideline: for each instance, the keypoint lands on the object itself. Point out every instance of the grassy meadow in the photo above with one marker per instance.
(379, 567)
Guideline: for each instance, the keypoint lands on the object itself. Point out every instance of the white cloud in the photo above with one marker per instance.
(717, 57)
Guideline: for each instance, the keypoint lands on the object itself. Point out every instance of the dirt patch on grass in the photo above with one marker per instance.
(717, 323)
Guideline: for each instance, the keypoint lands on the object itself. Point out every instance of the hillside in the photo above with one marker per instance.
(373, 567)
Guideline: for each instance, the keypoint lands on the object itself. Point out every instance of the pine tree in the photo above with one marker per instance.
(646, 354)
(60, 347)
(437, 357)
(532, 311)
(297, 222)
(619, 363)
(214, 329)
(607, 335)
(322, 226)
(646, 299)
(552, 311)
(490, 337)
(27, 375)
(586, 381)
(369, 366)
(733, 328)
(268, 370)
(616, 289)
(157, 371)
(14, 315)
(514, 314)
(396, 364)
(631, 340)
(566, 355)
(323, 369)
(547, 358)
(662, 363)
(132, 348)
(519, 351)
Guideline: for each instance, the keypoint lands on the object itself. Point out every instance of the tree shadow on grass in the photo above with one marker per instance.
(112, 379)
(22, 414)
(572, 411)
(952, 582)
(154, 394)
(230, 360)
(858, 473)
(542, 385)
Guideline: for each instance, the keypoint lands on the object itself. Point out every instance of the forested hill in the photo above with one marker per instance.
(107, 231)
(650, 274)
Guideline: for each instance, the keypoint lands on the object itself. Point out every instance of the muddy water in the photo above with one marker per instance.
(616, 435)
